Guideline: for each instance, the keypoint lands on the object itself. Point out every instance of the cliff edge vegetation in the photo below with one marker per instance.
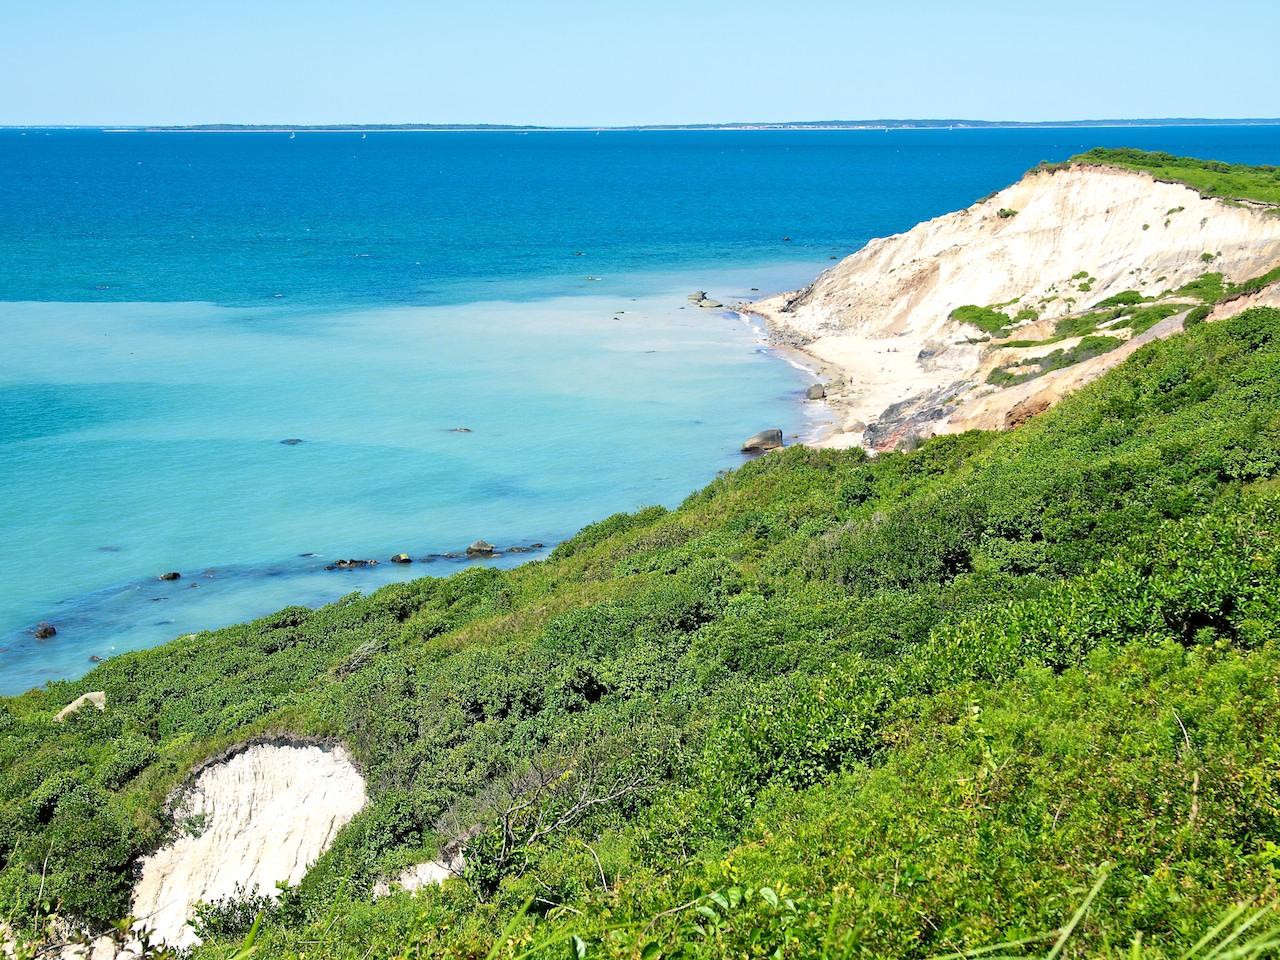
(1210, 178)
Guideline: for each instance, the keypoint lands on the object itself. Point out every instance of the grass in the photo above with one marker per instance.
(987, 319)
(1210, 178)
(1122, 299)
(1208, 287)
(1254, 284)
(1086, 349)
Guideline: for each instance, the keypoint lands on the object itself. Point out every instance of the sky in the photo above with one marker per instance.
(610, 62)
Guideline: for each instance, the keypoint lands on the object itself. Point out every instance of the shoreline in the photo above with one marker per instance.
(863, 376)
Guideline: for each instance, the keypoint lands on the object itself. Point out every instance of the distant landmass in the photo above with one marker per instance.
(956, 124)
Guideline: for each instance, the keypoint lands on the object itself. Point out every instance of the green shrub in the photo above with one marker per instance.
(1121, 299)
(987, 319)
(1197, 315)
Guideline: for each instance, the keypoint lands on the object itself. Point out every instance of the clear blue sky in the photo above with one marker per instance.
(615, 62)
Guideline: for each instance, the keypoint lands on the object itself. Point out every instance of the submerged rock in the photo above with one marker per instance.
(708, 304)
(171, 575)
(291, 441)
(481, 548)
(45, 630)
(764, 440)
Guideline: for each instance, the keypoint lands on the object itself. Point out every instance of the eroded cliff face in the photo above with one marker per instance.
(259, 817)
(1055, 243)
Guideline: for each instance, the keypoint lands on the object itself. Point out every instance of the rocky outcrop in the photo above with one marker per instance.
(96, 699)
(254, 818)
(481, 548)
(44, 630)
(762, 441)
(421, 875)
(882, 319)
(1024, 410)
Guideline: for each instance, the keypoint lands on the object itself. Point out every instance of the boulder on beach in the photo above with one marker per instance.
(171, 575)
(98, 698)
(44, 630)
(764, 440)
(402, 558)
(481, 548)
(1024, 410)
(816, 392)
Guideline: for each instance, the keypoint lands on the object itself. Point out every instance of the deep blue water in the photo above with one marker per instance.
(174, 305)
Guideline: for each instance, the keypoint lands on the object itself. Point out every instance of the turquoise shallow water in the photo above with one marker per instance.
(173, 306)
(145, 437)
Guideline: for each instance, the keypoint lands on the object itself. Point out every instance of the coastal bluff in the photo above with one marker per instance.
(971, 319)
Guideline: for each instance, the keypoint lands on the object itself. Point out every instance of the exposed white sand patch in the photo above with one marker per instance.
(260, 817)
(879, 322)
(420, 875)
(97, 699)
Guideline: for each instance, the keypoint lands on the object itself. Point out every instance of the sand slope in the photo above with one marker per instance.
(259, 817)
(879, 319)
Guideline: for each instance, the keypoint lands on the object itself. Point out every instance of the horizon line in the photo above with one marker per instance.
(873, 124)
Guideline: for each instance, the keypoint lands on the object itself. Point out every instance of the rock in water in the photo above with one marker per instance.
(816, 392)
(402, 558)
(708, 304)
(481, 548)
(291, 441)
(351, 564)
(764, 440)
(698, 295)
(171, 575)
(44, 630)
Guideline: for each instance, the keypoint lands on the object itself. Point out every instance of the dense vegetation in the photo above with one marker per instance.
(1211, 178)
(846, 707)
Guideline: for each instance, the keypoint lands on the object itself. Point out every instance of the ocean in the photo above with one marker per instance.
(469, 335)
